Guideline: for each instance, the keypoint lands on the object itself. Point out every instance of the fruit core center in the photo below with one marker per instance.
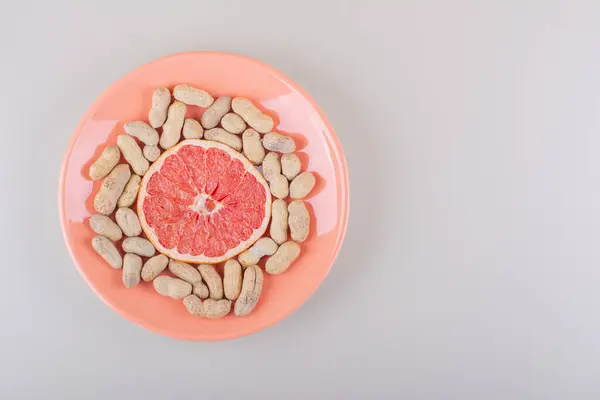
(209, 204)
(205, 204)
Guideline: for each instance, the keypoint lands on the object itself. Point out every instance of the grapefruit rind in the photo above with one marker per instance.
(202, 259)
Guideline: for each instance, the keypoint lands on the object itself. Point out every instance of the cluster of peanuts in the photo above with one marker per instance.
(204, 292)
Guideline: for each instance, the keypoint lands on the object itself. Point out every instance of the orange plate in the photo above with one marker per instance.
(295, 114)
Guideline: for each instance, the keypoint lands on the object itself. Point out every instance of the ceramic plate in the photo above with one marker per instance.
(295, 114)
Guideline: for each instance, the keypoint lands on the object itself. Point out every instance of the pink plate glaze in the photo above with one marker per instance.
(295, 114)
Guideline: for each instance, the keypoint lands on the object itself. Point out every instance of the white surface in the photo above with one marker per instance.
(471, 265)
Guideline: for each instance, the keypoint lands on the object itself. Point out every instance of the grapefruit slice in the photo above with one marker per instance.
(203, 202)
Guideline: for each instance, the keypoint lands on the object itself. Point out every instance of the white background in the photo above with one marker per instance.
(471, 265)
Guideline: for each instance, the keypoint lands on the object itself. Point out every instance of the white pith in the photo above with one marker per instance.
(200, 204)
